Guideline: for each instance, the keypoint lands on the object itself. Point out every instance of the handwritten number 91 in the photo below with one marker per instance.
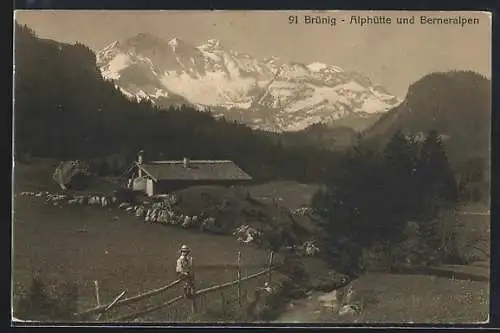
(293, 20)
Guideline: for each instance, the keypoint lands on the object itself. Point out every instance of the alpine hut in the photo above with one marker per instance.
(159, 177)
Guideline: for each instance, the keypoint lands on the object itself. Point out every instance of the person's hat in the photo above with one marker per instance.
(184, 248)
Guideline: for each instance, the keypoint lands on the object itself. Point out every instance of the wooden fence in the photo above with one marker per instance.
(232, 293)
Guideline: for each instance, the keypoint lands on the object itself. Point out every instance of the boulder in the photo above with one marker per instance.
(72, 174)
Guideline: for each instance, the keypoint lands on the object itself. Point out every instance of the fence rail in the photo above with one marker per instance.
(101, 309)
(232, 283)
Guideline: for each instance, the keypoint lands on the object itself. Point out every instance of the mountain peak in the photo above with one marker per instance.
(212, 75)
(144, 36)
(144, 40)
(108, 52)
(271, 59)
(213, 44)
(110, 46)
(320, 66)
(316, 66)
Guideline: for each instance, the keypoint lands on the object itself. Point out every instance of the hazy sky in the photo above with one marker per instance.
(390, 54)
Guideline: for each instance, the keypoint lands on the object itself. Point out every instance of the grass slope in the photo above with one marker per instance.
(84, 244)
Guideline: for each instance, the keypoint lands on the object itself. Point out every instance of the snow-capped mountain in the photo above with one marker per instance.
(266, 94)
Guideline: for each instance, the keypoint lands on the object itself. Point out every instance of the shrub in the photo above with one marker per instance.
(469, 240)
(126, 195)
(376, 258)
(438, 239)
(47, 302)
(409, 251)
(346, 256)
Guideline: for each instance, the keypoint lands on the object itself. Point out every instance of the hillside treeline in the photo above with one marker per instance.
(390, 204)
(65, 109)
(456, 104)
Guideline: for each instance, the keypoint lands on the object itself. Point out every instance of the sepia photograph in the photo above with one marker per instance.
(242, 167)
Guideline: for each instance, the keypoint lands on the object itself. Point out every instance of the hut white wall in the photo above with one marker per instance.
(150, 187)
(139, 184)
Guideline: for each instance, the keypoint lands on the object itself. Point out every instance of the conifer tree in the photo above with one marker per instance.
(435, 176)
(438, 190)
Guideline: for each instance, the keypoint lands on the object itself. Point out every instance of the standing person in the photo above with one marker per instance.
(184, 270)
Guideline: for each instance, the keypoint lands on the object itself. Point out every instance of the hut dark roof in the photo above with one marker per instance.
(197, 170)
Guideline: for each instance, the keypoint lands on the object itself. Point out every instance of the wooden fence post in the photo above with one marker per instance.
(238, 286)
(98, 299)
(270, 266)
(193, 303)
(193, 296)
(223, 301)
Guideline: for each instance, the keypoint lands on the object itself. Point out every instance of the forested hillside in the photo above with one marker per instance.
(456, 104)
(65, 109)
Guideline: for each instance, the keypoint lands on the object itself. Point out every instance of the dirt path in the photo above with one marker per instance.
(313, 309)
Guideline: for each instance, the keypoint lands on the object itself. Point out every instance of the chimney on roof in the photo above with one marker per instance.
(186, 162)
(140, 157)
